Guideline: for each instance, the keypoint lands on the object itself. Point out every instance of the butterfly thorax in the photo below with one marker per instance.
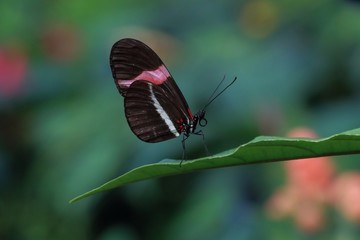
(198, 119)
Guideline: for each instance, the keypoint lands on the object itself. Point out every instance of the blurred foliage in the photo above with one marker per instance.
(63, 129)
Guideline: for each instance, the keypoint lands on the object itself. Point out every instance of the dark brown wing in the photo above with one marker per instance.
(129, 58)
(140, 75)
(151, 115)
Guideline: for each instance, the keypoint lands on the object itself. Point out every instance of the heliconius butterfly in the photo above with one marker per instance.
(155, 108)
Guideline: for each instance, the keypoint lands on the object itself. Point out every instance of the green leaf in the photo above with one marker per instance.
(260, 150)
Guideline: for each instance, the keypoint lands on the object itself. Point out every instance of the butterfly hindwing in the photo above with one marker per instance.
(150, 114)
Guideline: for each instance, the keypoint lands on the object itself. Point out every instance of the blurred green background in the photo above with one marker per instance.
(63, 130)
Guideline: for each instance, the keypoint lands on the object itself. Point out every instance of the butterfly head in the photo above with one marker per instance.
(199, 118)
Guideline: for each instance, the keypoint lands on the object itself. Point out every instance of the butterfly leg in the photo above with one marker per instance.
(200, 133)
(185, 136)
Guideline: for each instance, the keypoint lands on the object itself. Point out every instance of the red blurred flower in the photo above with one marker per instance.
(13, 68)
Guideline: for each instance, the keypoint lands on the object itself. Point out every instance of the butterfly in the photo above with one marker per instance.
(155, 108)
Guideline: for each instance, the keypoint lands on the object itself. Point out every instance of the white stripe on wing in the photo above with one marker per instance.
(162, 112)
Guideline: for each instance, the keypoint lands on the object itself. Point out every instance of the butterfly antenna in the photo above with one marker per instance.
(217, 87)
(211, 99)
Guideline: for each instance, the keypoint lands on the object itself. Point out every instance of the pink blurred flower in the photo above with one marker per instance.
(306, 190)
(311, 186)
(312, 176)
(346, 195)
(13, 69)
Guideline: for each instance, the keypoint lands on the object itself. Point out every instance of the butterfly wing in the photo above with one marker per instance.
(155, 108)
(150, 114)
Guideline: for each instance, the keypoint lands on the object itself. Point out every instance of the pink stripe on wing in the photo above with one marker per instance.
(125, 83)
(157, 77)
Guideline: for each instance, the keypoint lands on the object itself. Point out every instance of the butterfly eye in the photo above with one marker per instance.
(203, 121)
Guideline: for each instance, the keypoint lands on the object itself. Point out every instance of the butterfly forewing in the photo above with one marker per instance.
(130, 58)
(155, 108)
